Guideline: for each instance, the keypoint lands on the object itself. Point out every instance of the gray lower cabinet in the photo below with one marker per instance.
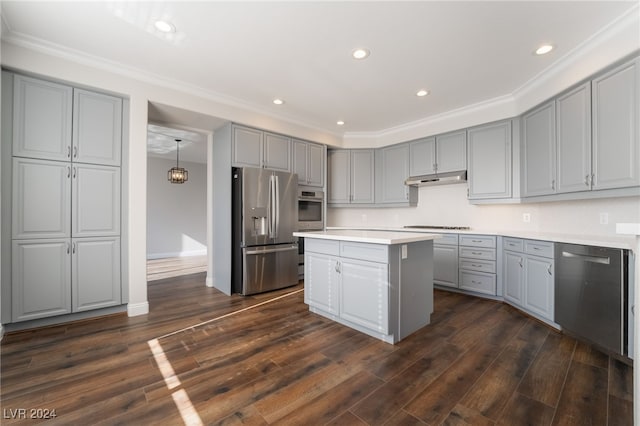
(445, 261)
(528, 276)
(40, 278)
(321, 281)
(308, 163)
(391, 170)
(95, 274)
(477, 263)
(255, 148)
(616, 138)
(364, 294)
(350, 176)
(489, 161)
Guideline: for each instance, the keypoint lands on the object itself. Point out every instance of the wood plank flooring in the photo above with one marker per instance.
(200, 357)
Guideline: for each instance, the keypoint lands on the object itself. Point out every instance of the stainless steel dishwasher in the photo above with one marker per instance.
(591, 294)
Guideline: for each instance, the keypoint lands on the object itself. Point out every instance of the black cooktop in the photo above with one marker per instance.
(456, 228)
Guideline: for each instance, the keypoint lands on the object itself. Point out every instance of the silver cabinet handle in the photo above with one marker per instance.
(586, 180)
(68, 151)
(476, 241)
(73, 249)
(68, 171)
(75, 152)
(476, 253)
(549, 270)
(74, 172)
(337, 266)
(593, 179)
(520, 262)
(476, 266)
(68, 248)
(553, 184)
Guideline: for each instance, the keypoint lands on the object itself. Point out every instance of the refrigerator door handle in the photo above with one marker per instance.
(267, 251)
(277, 192)
(270, 209)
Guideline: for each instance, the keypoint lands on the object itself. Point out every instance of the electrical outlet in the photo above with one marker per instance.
(604, 218)
(526, 217)
(404, 251)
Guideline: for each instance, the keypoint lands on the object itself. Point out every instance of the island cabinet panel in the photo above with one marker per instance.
(445, 261)
(513, 277)
(365, 294)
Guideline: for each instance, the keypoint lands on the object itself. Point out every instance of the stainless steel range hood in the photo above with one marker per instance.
(437, 179)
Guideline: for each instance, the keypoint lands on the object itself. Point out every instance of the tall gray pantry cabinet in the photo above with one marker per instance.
(65, 199)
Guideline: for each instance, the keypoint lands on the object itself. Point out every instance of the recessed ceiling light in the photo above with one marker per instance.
(164, 26)
(545, 48)
(340, 123)
(422, 92)
(278, 101)
(360, 53)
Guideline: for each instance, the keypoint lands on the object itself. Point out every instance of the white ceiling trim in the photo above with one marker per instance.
(52, 49)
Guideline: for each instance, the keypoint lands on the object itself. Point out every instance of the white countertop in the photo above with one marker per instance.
(612, 241)
(373, 236)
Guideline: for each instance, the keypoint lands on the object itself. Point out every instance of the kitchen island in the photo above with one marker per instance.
(377, 282)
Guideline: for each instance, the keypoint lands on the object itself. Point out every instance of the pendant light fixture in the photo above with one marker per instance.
(178, 174)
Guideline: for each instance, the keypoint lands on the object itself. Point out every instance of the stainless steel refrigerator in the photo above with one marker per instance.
(265, 215)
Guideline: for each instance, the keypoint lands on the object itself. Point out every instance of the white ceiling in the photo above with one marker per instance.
(248, 53)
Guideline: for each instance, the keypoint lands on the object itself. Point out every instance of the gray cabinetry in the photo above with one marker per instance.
(539, 142)
(41, 278)
(445, 261)
(477, 263)
(489, 161)
(364, 294)
(97, 128)
(321, 280)
(351, 176)
(255, 148)
(42, 113)
(392, 169)
(513, 277)
(308, 163)
(95, 200)
(422, 154)
(439, 154)
(616, 141)
(96, 273)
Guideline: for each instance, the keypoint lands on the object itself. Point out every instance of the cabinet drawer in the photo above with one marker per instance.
(314, 245)
(513, 244)
(478, 282)
(447, 240)
(477, 253)
(364, 251)
(478, 241)
(539, 248)
(478, 265)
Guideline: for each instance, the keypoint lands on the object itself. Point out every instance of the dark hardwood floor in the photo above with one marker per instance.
(199, 358)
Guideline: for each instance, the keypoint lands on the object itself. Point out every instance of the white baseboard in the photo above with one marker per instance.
(135, 309)
(209, 281)
(151, 256)
(1, 332)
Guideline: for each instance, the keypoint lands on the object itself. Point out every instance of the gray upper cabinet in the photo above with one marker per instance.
(489, 151)
(616, 141)
(96, 273)
(351, 176)
(97, 128)
(255, 148)
(422, 157)
(451, 152)
(41, 119)
(573, 143)
(392, 169)
(247, 147)
(95, 201)
(308, 163)
(539, 143)
(41, 201)
(439, 154)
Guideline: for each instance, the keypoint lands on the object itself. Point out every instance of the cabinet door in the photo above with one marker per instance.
(41, 119)
(41, 206)
(315, 165)
(247, 147)
(300, 152)
(362, 176)
(573, 113)
(451, 152)
(96, 200)
(339, 176)
(539, 286)
(41, 279)
(539, 140)
(422, 154)
(489, 150)
(616, 142)
(96, 273)
(364, 294)
(513, 277)
(321, 282)
(445, 265)
(97, 128)
(277, 152)
(393, 167)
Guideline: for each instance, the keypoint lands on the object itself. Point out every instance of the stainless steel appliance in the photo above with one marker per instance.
(310, 210)
(265, 215)
(591, 294)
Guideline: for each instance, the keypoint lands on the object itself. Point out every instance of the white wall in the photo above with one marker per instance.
(176, 214)
(448, 205)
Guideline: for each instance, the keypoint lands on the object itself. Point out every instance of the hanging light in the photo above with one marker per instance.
(178, 174)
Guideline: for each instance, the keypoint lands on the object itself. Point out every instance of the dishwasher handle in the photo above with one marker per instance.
(593, 259)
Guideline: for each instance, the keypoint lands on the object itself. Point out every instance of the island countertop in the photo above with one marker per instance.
(368, 236)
